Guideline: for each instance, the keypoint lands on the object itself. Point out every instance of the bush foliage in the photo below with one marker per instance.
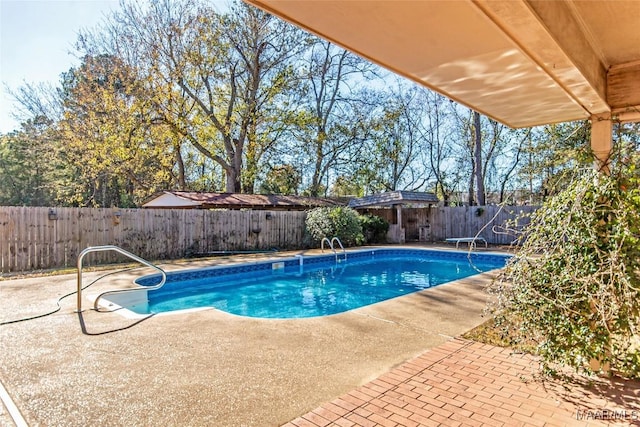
(374, 228)
(340, 222)
(575, 282)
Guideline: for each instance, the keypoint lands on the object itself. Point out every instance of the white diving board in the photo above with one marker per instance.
(470, 240)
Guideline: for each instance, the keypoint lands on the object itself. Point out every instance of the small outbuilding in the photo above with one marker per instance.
(396, 200)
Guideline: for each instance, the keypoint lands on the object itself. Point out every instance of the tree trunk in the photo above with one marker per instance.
(480, 197)
(251, 169)
(314, 191)
(471, 195)
(182, 181)
(232, 183)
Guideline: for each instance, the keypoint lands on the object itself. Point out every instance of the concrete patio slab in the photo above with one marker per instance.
(207, 367)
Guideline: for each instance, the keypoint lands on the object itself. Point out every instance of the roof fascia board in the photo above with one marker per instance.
(624, 89)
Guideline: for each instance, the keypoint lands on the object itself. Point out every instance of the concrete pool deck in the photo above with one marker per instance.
(208, 367)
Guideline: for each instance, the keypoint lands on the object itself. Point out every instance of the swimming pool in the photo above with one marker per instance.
(310, 286)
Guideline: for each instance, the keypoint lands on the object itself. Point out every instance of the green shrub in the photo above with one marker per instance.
(575, 282)
(338, 222)
(374, 228)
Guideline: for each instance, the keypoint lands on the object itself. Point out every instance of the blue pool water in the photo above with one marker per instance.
(318, 286)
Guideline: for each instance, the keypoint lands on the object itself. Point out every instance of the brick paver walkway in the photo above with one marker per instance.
(464, 383)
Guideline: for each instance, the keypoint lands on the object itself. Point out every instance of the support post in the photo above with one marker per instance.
(601, 141)
(601, 145)
(401, 235)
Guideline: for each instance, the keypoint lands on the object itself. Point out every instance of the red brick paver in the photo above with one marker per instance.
(464, 383)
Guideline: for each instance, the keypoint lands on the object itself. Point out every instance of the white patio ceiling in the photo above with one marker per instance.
(521, 62)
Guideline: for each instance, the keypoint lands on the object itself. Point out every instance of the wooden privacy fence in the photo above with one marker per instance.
(490, 221)
(460, 221)
(38, 238)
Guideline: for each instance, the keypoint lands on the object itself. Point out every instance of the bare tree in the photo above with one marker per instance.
(211, 77)
(331, 122)
(399, 147)
(440, 142)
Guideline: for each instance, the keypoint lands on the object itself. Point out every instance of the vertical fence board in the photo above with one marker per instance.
(22, 256)
(4, 239)
(14, 243)
(14, 251)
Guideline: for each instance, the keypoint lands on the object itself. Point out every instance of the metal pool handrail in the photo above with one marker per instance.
(333, 248)
(123, 252)
(335, 239)
(326, 239)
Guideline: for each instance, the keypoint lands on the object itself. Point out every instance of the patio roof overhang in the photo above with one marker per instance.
(521, 62)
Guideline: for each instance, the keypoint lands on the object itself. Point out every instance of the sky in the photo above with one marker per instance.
(36, 43)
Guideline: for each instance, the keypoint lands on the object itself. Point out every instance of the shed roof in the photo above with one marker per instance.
(205, 200)
(395, 198)
(521, 62)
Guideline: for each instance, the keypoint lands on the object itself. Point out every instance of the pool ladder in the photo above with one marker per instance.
(333, 248)
(117, 291)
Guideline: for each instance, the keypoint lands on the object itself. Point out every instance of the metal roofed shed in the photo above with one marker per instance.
(395, 198)
(397, 233)
(205, 200)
